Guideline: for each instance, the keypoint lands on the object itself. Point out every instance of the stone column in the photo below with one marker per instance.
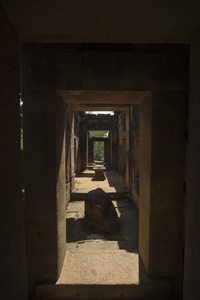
(107, 151)
(162, 179)
(13, 275)
(72, 170)
(135, 151)
(192, 237)
(44, 148)
(68, 126)
(114, 148)
(128, 173)
(84, 151)
(90, 150)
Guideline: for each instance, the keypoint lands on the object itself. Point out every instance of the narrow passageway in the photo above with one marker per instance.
(100, 83)
(99, 264)
(114, 185)
(95, 256)
(114, 181)
(98, 257)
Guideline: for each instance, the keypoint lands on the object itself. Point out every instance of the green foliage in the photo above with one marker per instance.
(21, 142)
(99, 145)
(99, 151)
(101, 134)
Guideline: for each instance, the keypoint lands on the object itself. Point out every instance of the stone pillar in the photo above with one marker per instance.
(162, 178)
(107, 151)
(135, 152)
(68, 126)
(114, 148)
(128, 177)
(13, 275)
(90, 150)
(84, 145)
(44, 148)
(72, 170)
(192, 233)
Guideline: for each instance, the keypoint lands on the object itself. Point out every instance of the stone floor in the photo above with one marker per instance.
(99, 257)
(114, 185)
(98, 264)
(113, 179)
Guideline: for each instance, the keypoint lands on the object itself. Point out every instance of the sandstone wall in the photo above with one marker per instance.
(192, 236)
(162, 172)
(48, 69)
(121, 128)
(44, 157)
(13, 276)
(135, 152)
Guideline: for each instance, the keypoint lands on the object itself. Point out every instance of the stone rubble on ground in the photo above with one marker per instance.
(100, 211)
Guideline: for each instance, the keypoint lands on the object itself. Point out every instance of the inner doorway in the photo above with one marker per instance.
(99, 146)
(116, 249)
(98, 151)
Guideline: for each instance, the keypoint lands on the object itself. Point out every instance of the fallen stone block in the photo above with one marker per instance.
(100, 211)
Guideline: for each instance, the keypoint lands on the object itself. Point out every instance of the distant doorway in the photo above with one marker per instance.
(98, 151)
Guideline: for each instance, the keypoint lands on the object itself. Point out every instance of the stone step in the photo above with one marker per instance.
(158, 289)
(113, 193)
(107, 274)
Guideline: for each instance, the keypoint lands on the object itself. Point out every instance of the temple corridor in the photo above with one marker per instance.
(65, 59)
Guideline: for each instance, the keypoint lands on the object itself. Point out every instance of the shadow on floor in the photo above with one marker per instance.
(115, 179)
(79, 232)
(85, 174)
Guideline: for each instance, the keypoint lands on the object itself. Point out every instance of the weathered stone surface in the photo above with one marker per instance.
(44, 212)
(105, 73)
(191, 288)
(13, 276)
(162, 175)
(90, 165)
(99, 173)
(100, 211)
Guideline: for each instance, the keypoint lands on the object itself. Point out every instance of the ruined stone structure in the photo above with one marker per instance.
(100, 211)
(102, 122)
(137, 58)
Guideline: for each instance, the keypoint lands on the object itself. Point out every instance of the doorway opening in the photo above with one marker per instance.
(98, 151)
(98, 142)
(101, 139)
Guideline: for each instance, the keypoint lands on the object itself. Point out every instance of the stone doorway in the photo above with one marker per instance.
(153, 244)
(122, 246)
(98, 151)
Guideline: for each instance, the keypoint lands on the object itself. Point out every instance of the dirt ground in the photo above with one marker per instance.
(113, 179)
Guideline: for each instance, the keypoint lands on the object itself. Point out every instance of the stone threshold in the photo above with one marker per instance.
(154, 290)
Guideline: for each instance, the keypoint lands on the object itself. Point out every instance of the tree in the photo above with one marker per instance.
(100, 134)
(99, 150)
(99, 145)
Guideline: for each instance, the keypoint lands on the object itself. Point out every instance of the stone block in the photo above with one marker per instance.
(100, 211)
(99, 173)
